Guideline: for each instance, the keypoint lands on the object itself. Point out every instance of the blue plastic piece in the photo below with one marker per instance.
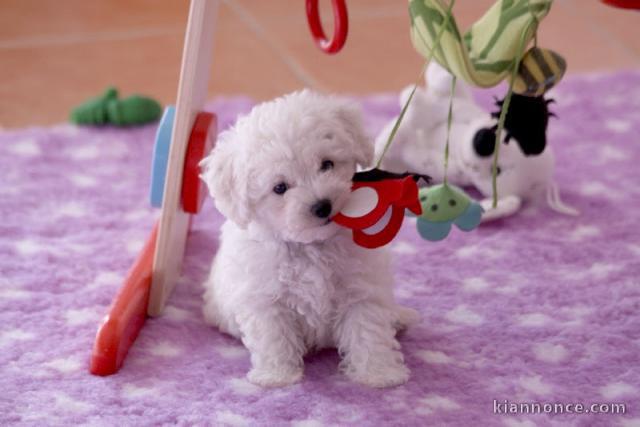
(433, 231)
(470, 218)
(161, 156)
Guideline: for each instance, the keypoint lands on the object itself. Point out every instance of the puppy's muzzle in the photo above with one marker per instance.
(322, 208)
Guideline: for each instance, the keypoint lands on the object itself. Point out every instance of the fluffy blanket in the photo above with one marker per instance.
(538, 308)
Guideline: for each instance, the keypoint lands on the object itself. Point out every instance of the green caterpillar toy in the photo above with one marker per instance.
(108, 109)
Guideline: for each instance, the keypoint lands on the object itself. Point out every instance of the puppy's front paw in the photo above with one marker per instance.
(380, 376)
(280, 376)
(405, 317)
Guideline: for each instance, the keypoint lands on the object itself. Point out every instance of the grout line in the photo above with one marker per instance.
(294, 66)
(85, 38)
(611, 38)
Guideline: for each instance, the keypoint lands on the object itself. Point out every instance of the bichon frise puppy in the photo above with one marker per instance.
(286, 280)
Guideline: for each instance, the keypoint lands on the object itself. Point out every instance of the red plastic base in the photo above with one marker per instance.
(201, 141)
(127, 314)
(625, 4)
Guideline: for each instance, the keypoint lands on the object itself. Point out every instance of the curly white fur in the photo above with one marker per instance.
(286, 281)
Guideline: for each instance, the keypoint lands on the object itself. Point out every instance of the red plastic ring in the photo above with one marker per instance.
(341, 26)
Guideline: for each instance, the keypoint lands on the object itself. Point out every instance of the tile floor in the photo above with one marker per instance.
(54, 54)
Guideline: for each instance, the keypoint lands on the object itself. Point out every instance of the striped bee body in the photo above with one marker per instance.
(540, 70)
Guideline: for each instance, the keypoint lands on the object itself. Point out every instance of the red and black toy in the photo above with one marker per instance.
(376, 208)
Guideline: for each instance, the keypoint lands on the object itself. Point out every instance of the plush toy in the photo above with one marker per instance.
(443, 205)
(109, 109)
(526, 162)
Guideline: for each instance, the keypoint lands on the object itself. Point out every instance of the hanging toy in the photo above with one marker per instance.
(443, 205)
(492, 50)
(376, 208)
(484, 56)
(540, 70)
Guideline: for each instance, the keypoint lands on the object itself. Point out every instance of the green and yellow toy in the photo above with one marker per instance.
(485, 55)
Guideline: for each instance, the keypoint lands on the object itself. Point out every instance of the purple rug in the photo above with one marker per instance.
(539, 308)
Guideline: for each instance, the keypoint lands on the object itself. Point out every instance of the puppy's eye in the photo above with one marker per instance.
(281, 188)
(326, 165)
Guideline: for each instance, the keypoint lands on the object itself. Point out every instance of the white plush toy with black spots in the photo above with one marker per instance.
(286, 279)
(526, 162)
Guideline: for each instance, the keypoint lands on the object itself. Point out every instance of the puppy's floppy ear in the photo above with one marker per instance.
(222, 171)
(350, 116)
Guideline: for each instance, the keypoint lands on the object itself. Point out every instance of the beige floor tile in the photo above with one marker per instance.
(586, 47)
(56, 53)
(50, 20)
(620, 28)
(44, 83)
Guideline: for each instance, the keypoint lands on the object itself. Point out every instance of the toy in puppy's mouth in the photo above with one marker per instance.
(377, 205)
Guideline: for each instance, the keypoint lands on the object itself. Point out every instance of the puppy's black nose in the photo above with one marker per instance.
(321, 208)
(484, 142)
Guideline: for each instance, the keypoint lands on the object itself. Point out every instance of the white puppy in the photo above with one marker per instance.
(287, 280)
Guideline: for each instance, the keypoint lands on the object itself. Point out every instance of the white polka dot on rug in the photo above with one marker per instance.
(618, 126)
(432, 403)
(404, 248)
(84, 152)
(232, 351)
(582, 232)
(68, 403)
(475, 284)
(178, 314)
(228, 418)
(134, 245)
(630, 422)
(597, 188)
(309, 422)
(132, 391)
(403, 292)
(634, 248)
(601, 270)
(164, 349)
(106, 278)
(243, 387)
(533, 320)
(434, 357)
(83, 181)
(29, 247)
(616, 390)
(514, 422)
(65, 365)
(81, 316)
(609, 153)
(549, 352)
(535, 384)
(25, 148)
(462, 315)
(14, 294)
(72, 209)
(12, 335)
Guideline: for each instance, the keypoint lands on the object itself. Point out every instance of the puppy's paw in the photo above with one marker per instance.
(280, 376)
(405, 317)
(380, 376)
